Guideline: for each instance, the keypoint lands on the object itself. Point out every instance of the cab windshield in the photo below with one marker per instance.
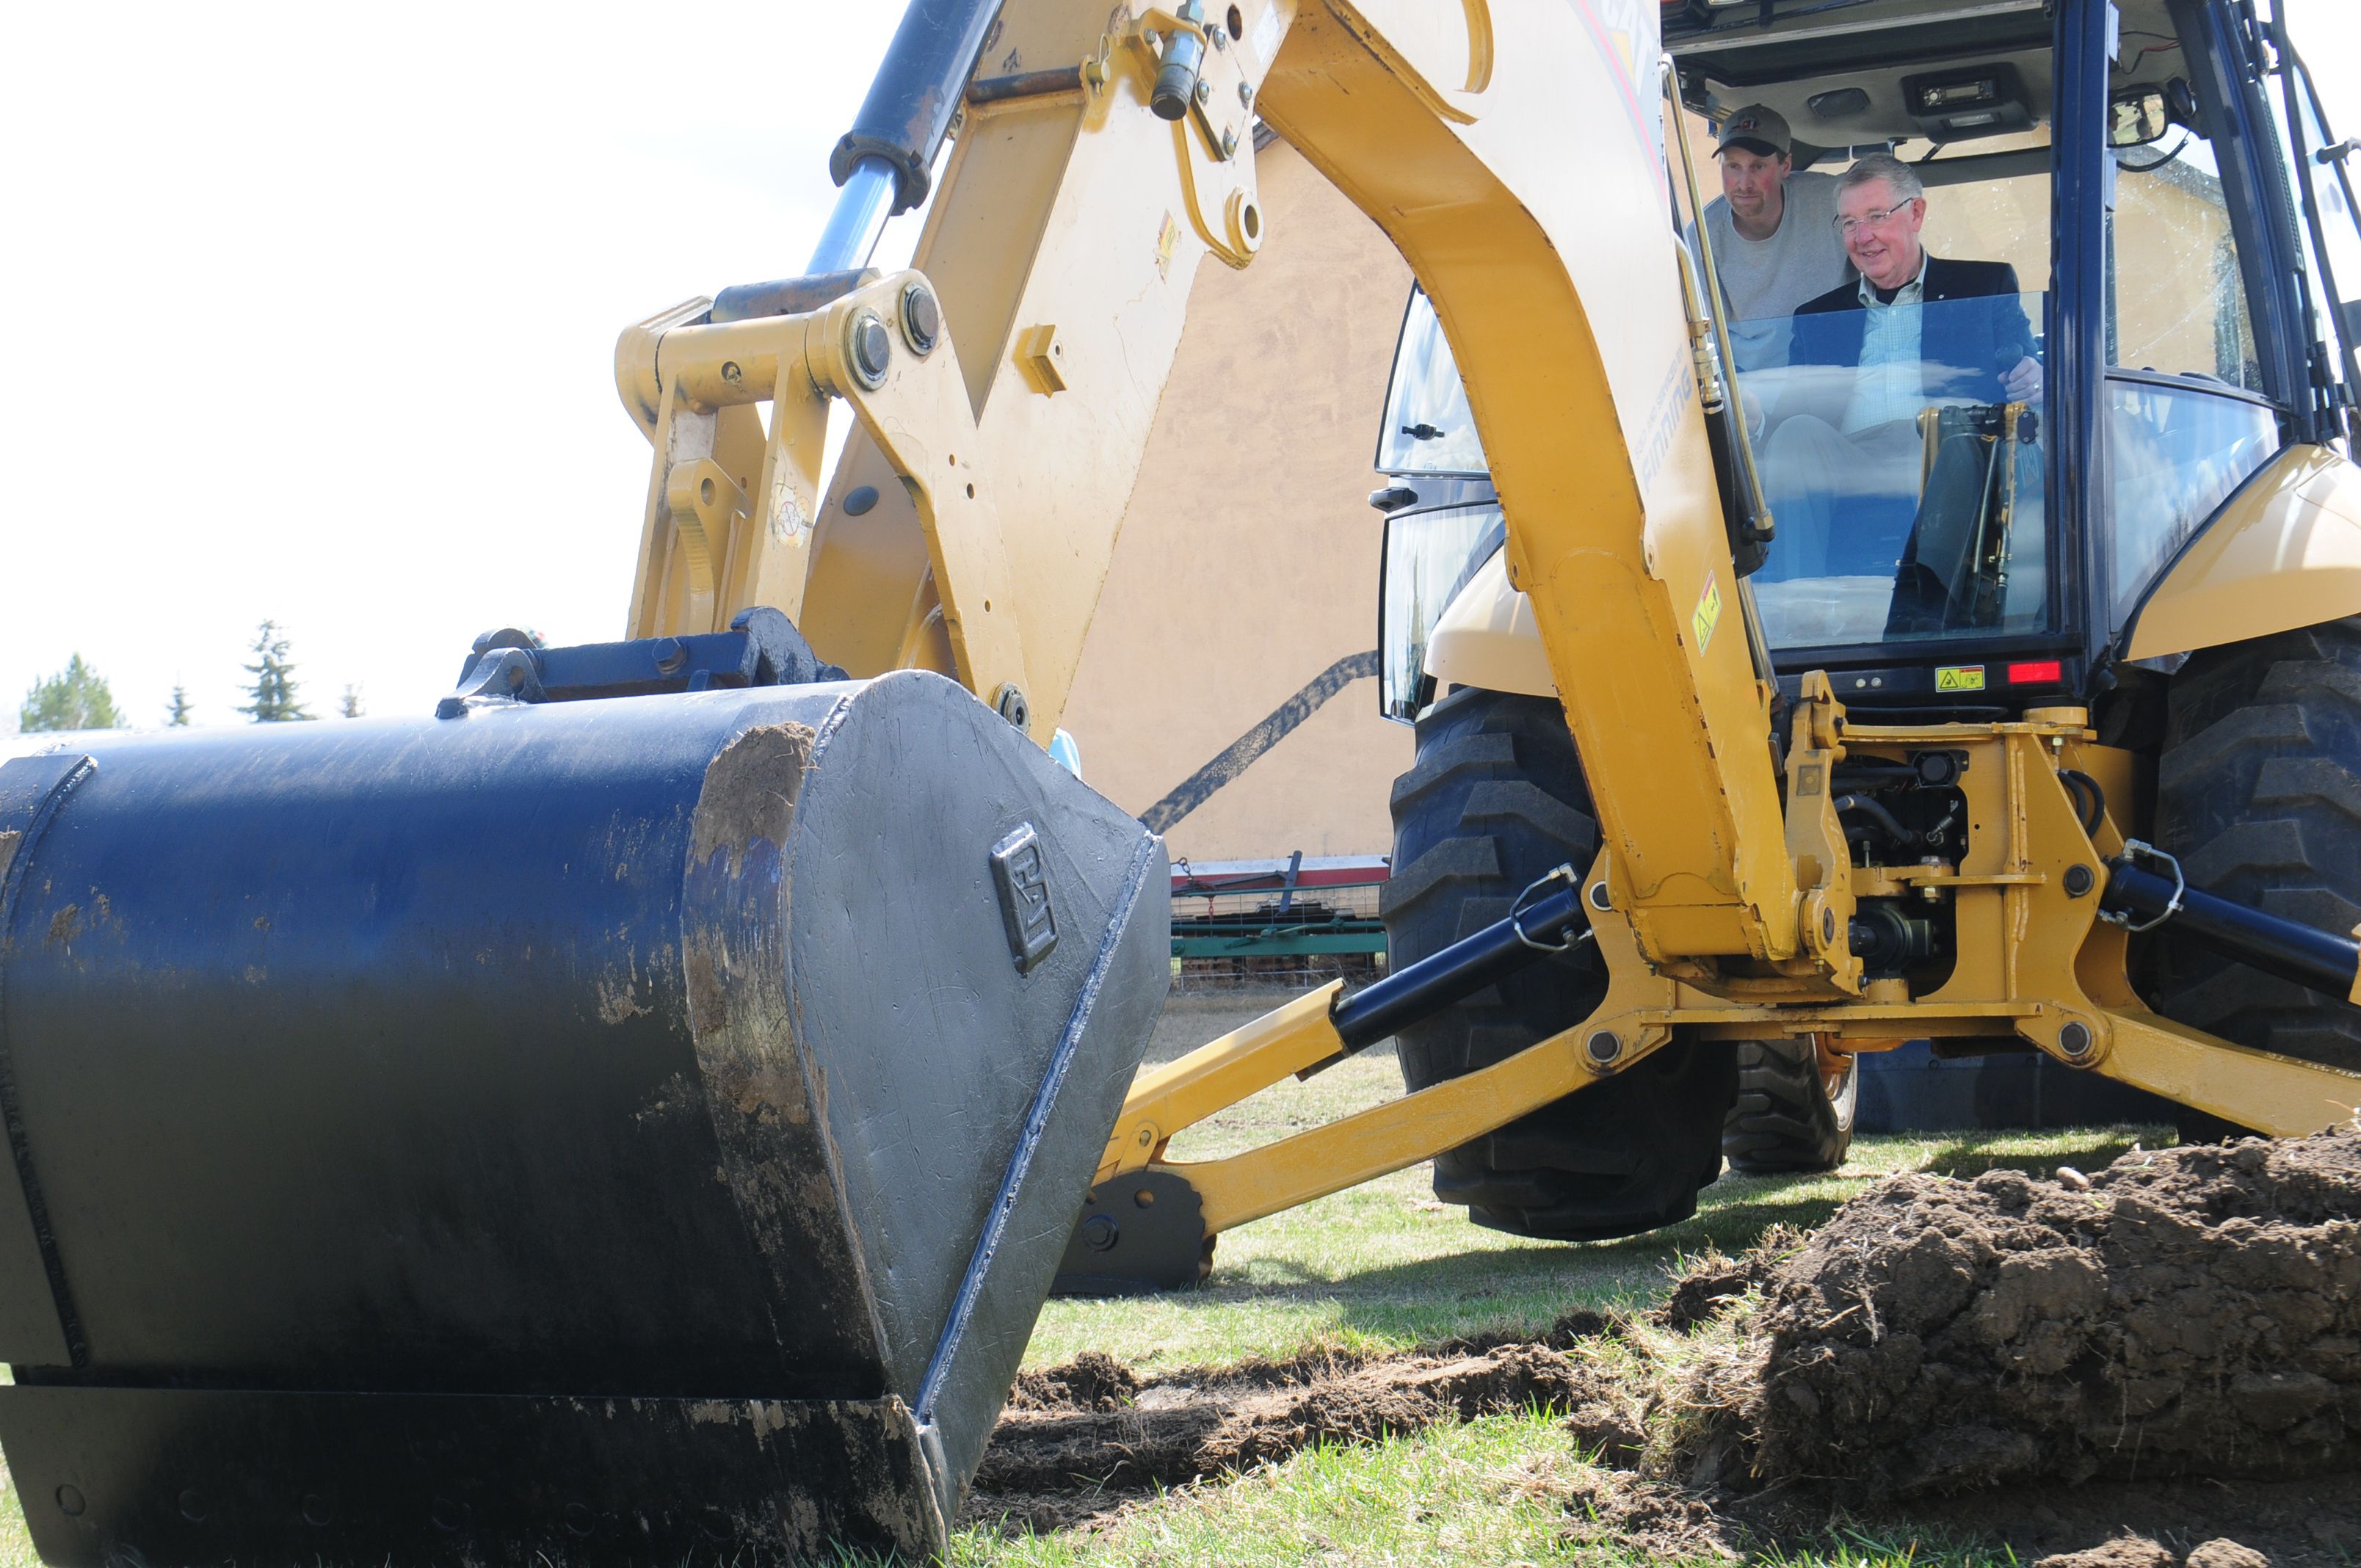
(1900, 433)
(1901, 447)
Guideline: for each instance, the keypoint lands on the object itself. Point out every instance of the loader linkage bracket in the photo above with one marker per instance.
(1140, 1232)
(761, 648)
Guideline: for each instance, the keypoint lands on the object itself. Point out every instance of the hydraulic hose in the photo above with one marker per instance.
(1876, 812)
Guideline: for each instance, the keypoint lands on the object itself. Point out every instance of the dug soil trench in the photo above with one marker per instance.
(1081, 1439)
(2154, 1363)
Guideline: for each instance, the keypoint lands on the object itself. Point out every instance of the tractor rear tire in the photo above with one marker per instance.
(1790, 1115)
(1496, 800)
(2259, 793)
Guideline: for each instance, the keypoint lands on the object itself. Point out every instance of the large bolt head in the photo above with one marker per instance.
(922, 319)
(872, 349)
(1100, 1233)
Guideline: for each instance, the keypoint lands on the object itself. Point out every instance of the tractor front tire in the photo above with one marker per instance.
(1495, 801)
(2259, 793)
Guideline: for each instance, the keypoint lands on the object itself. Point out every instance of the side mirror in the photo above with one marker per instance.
(2136, 116)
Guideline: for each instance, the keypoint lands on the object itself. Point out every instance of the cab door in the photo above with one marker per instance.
(2202, 360)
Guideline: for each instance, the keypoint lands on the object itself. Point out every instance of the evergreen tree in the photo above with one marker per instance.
(351, 707)
(273, 688)
(74, 698)
(176, 715)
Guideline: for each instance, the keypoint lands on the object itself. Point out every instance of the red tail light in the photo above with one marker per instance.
(2039, 672)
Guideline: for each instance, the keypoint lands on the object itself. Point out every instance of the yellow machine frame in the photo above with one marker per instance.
(969, 528)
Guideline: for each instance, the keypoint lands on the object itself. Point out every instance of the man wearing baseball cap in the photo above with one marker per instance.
(1774, 237)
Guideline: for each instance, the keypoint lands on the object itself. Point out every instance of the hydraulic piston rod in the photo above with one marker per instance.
(2320, 959)
(1547, 926)
(884, 164)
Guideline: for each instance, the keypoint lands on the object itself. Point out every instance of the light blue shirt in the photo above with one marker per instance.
(1891, 382)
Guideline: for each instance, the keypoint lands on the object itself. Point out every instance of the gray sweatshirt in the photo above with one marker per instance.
(1764, 281)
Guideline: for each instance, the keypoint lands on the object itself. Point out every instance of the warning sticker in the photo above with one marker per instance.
(1707, 614)
(1167, 237)
(1960, 678)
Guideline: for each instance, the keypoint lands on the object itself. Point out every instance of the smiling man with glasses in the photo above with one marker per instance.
(1843, 462)
(1983, 356)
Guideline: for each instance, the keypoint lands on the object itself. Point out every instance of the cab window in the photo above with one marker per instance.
(2188, 414)
(1428, 426)
(1902, 443)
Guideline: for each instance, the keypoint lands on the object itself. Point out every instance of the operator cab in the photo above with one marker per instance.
(1955, 539)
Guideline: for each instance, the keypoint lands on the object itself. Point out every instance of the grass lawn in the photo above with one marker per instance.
(1384, 1266)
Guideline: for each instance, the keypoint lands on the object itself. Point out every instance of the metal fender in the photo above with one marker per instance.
(2284, 551)
(1487, 638)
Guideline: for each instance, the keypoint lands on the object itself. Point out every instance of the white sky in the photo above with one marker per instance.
(315, 310)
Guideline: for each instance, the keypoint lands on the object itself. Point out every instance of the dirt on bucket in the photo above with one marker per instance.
(2191, 1312)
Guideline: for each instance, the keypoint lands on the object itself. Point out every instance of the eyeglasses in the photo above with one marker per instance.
(1846, 226)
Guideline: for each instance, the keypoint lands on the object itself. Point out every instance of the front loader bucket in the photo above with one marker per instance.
(631, 1129)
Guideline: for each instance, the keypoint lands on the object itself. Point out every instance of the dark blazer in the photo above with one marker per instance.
(1966, 347)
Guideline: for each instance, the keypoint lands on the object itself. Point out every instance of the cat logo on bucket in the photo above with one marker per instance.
(1960, 678)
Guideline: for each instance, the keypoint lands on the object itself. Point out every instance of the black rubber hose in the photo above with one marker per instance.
(2095, 811)
(1877, 814)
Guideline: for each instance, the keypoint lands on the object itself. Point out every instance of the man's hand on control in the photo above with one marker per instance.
(2023, 384)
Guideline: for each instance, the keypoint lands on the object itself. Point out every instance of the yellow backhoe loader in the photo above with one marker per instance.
(639, 1109)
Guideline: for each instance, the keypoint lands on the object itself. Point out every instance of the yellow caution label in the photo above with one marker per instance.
(1167, 236)
(1960, 678)
(1707, 614)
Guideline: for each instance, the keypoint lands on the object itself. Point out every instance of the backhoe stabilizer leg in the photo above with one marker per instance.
(1319, 1027)
(1105, 1259)
(1134, 1236)
(2279, 1095)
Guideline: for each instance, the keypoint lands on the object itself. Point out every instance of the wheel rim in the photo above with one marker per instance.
(1841, 1080)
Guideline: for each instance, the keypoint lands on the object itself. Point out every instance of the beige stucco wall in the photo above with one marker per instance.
(1247, 563)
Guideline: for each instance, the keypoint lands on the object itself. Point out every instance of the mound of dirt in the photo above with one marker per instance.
(1626, 1517)
(1713, 1284)
(2139, 1552)
(2193, 1312)
(1068, 1447)
(1091, 1381)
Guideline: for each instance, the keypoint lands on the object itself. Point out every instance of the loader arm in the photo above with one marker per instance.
(1512, 149)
